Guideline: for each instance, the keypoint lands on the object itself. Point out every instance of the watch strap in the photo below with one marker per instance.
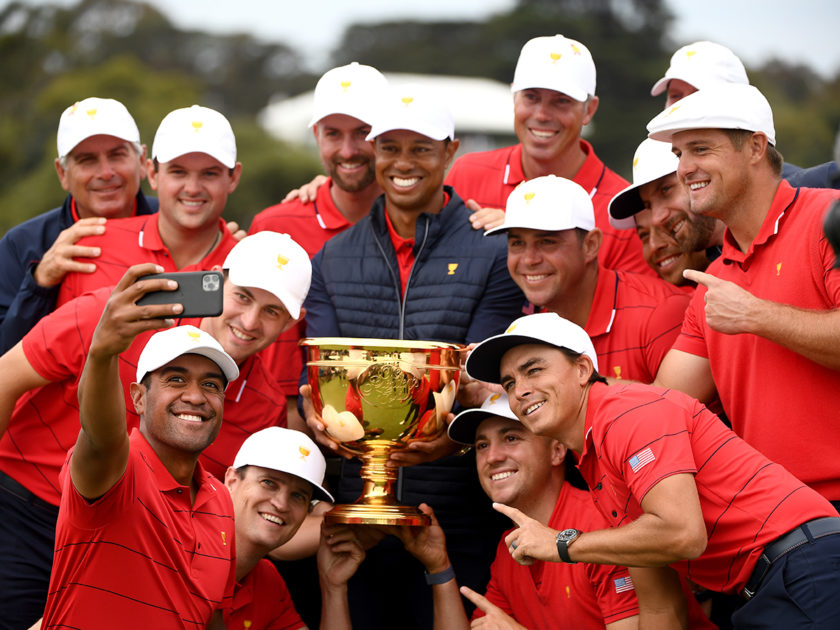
(440, 578)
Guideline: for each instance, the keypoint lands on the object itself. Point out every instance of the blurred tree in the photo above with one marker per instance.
(55, 56)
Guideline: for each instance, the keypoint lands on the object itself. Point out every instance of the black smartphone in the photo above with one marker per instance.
(200, 292)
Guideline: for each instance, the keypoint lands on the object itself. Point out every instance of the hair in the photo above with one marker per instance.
(157, 164)
(138, 151)
(739, 137)
(573, 356)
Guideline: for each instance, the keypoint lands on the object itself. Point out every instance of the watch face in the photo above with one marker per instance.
(568, 534)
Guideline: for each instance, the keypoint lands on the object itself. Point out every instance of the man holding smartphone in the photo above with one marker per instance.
(267, 279)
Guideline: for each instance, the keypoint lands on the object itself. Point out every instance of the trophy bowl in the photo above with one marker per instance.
(375, 396)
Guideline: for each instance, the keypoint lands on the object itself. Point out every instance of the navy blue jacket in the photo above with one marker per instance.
(821, 176)
(22, 301)
(459, 291)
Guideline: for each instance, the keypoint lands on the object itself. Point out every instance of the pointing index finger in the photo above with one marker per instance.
(700, 277)
(484, 604)
(511, 512)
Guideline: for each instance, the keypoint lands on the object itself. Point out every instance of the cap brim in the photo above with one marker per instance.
(624, 206)
(483, 362)
(462, 429)
(660, 86)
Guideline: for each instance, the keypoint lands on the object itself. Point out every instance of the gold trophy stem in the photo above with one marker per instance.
(377, 505)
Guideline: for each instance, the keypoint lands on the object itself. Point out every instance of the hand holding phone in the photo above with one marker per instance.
(199, 292)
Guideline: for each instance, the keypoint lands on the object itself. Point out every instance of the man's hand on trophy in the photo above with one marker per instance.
(419, 451)
(427, 543)
(316, 424)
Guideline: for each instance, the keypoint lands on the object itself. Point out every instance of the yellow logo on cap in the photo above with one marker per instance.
(407, 100)
(345, 85)
(282, 261)
(304, 452)
(197, 124)
(495, 397)
(672, 110)
(690, 53)
(575, 49)
(529, 196)
(194, 336)
(91, 112)
(635, 163)
(74, 108)
(555, 57)
(510, 328)
(452, 267)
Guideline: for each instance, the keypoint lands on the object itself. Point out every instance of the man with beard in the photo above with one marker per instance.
(343, 112)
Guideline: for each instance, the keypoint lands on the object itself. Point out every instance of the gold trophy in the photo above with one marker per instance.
(374, 396)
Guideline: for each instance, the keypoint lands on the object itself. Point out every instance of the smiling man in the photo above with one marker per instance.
(414, 269)
(100, 165)
(553, 100)
(343, 108)
(274, 481)
(554, 257)
(144, 532)
(762, 326)
(193, 169)
(656, 206)
(679, 489)
(39, 401)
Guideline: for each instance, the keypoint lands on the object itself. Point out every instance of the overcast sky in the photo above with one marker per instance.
(806, 31)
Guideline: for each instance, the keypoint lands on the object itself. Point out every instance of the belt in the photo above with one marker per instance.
(808, 531)
(25, 495)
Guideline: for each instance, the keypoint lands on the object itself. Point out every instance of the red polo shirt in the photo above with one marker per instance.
(310, 225)
(142, 554)
(633, 322)
(128, 242)
(548, 595)
(262, 602)
(489, 177)
(637, 435)
(45, 421)
(780, 402)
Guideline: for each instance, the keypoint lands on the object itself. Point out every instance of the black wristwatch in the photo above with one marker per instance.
(563, 540)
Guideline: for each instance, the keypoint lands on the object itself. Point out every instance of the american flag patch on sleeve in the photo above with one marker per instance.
(623, 584)
(641, 459)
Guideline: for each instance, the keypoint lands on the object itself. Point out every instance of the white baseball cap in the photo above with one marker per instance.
(652, 160)
(545, 328)
(722, 106)
(169, 344)
(414, 109)
(93, 117)
(548, 203)
(703, 64)
(273, 262)
(195, 129)
(463, 427)
(354, 90)
(555, 63)
(287, 451)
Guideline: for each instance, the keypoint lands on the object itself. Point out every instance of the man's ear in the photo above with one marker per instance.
(152, 174)
(592, 244)
(137, 391)
(558, 453)
(231, 477)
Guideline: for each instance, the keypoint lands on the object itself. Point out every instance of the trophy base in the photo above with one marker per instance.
(365, 514)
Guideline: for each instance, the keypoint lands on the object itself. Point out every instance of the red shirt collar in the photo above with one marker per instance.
(782, 200)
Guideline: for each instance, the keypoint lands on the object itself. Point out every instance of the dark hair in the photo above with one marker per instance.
(595, 377)
(738, 138)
